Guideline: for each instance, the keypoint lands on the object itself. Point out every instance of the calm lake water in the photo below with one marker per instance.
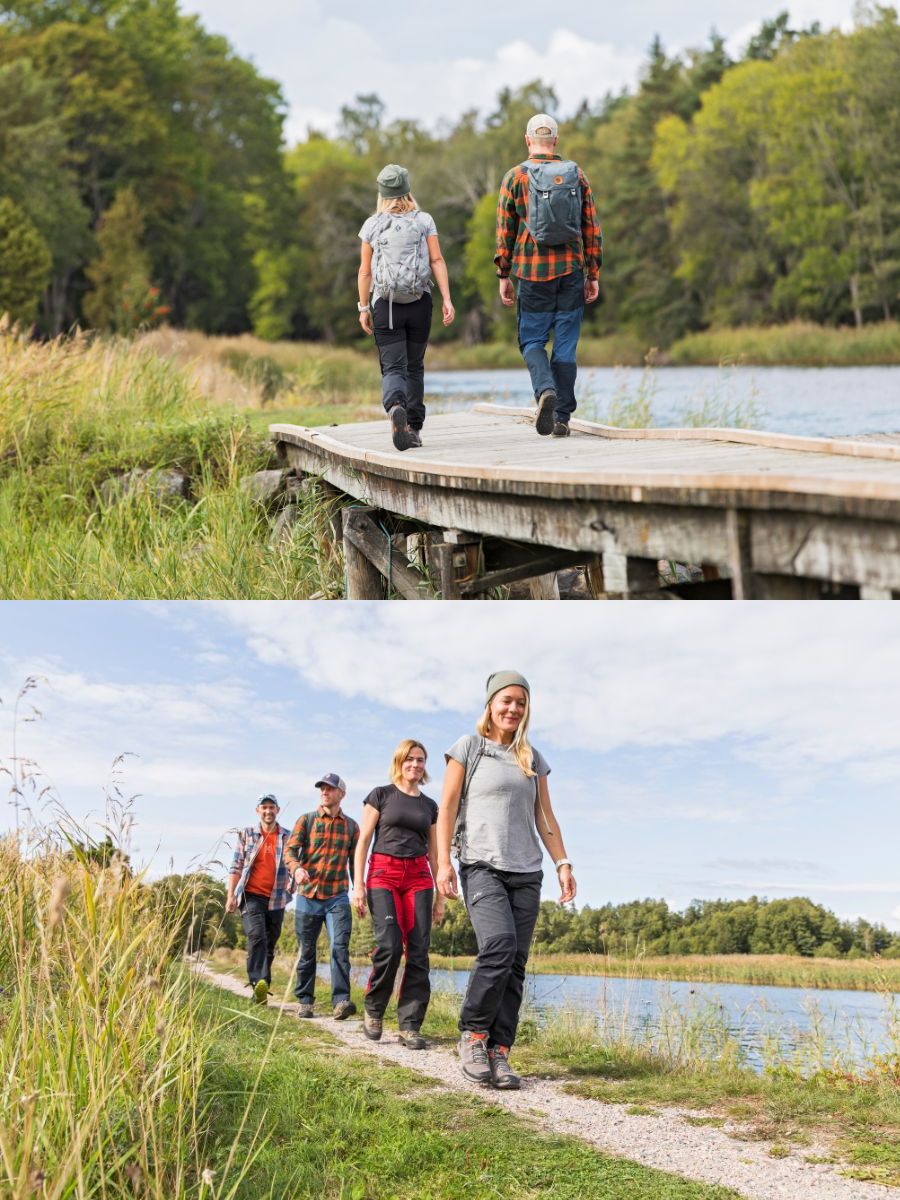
(850, 1026)
(801, 400)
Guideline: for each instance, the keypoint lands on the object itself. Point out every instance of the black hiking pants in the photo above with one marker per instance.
(402, 353)
(401, 894)
(503, 908)
(262, 926)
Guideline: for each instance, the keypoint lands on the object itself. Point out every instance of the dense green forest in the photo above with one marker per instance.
(755, 926)
(143, 176)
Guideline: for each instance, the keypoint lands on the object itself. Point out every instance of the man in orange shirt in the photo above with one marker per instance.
(260, 886)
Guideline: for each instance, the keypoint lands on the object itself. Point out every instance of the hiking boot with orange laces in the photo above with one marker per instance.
(503, 1076)
(473, 1056)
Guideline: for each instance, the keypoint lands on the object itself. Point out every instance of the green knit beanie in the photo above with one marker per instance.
(502, 679)
(393, 180)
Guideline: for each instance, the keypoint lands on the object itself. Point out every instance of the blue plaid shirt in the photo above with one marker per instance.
(249, 842)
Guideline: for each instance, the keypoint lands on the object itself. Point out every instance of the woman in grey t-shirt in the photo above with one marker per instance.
(399, 253)
(496, 800)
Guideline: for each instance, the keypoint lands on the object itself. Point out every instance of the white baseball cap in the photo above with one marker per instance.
(542, 121)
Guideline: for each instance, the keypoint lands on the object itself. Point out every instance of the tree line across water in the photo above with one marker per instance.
(793, 925)
(143, 176)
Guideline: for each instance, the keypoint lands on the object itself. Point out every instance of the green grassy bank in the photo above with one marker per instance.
(77, 414)
(337, 1125)
(809, 1097)
(123, 1075)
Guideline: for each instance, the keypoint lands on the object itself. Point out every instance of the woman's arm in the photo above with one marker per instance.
(437, 913)
(364, 284)
(368, 821)
(439, 271)
(454, 778)
(544, 816)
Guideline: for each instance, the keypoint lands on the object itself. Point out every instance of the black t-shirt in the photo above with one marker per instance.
(402, 828)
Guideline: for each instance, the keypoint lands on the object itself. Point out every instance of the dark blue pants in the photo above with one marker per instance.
(262, 926)
(503, 908)
(309, 917)
(545, 307)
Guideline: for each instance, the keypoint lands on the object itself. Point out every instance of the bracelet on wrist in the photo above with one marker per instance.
(562, 862)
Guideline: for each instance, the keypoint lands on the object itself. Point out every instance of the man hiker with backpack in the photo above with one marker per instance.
(318, 853)
(549, 238)
(260, 886)
(399, 252)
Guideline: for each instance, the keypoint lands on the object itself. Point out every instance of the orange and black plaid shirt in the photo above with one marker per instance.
(519, 254)
(325, 846)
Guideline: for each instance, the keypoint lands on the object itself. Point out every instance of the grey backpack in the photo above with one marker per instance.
(554, 202)
(400, 269)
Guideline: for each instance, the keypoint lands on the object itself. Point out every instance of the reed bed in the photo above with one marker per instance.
(102, 1045)
(774, 970)
(798, 343)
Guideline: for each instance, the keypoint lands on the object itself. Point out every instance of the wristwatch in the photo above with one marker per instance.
(361, 307)
(562, 862)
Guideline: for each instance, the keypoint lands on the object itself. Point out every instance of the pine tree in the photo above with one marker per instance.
(25, 263)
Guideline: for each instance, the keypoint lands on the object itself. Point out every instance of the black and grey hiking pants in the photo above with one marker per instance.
(402, 353)
(503, 908)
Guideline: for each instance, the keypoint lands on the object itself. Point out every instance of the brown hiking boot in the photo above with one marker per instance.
(343, 1009)
(545, 417)
(411, 1039)
(372, 1027)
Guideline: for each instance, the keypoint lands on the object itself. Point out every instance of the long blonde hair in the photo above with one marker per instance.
(397, 205)
(400, 756)
(520, 745)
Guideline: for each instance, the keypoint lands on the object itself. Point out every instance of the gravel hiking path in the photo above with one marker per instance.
(665, 1141)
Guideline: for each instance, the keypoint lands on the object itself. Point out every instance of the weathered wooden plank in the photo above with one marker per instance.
(368, 543)
(751, 437)
(828, 548)
(871, 494)
(647, 531)
(533, 567)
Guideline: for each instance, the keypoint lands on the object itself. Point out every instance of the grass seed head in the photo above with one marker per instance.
(57, 908)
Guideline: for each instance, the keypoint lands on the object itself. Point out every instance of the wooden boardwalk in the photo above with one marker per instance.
(764, 515)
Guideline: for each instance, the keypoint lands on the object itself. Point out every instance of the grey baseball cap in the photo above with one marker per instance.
(332, 780)
(542, 121)
(393, 180)
(268, 798)
(502, 679)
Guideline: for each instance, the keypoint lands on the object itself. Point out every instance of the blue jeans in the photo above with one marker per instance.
(545, 307)
(309, 917)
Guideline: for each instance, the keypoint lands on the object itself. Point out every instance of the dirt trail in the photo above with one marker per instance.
(666, 1141)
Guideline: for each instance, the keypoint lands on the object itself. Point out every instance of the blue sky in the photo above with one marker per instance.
(697, 750)
(432, 59)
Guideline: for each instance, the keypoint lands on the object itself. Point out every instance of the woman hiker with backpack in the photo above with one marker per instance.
(399, 253)
(495, 807)
(400, 888)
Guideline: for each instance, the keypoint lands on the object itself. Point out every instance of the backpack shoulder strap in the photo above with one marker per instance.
(460, 829)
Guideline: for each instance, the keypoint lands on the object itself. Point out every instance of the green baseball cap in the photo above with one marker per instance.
(393, 180)
(502, 679)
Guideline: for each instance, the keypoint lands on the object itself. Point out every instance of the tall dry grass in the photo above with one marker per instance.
(103, 1043)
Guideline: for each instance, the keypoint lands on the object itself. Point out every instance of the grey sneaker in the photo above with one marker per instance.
(415, 438)
(411, 1039)
(343, 1009)
(400, 434)
(561, 429)
(306, 1010)
(372, 1027)
(502, 1074)
(473, 1057)
(546, 405)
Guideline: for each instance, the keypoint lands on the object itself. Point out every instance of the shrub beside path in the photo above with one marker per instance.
(665, 1141)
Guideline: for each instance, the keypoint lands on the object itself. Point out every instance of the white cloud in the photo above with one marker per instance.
(790, 696)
